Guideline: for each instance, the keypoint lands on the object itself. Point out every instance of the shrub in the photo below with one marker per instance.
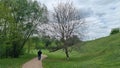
(115, 31)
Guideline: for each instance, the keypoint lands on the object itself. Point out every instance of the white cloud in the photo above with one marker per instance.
(101, 15)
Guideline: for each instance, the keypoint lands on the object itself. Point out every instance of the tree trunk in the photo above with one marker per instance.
(67, 53)
(29, 44)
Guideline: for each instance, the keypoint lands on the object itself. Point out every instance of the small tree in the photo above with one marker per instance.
(65, 25)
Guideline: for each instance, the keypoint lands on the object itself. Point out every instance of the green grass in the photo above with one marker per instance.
(15, 62)
(100, 53)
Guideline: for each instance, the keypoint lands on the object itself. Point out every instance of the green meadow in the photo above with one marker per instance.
(100, 53)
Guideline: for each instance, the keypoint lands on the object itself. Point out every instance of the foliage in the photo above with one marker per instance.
(115, 31)
(69, 43)
(45, 42)
(18, 21)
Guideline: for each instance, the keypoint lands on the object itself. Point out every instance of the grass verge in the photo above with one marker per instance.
(15, 62)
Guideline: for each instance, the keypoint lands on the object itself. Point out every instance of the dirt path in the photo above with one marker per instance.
(34, 63)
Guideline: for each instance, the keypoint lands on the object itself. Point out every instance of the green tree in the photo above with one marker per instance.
(5, 20)
(115, 31)
(26, 16)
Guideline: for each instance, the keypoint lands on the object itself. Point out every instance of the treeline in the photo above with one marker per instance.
(19, 20)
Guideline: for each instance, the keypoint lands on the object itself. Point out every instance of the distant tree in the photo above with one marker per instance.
(65, 25)
(115, 31)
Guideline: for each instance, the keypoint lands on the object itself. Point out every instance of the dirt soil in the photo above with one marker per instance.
(34, 63)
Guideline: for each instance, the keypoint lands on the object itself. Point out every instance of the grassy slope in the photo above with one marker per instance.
(15, 62)
(100, 53)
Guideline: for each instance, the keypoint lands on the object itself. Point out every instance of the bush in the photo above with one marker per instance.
(2, 51)
(10, 49)
(115, 31)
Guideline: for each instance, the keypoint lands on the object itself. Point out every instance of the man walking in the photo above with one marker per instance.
(39, 55)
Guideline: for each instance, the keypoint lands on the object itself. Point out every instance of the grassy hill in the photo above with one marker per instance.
(100, 53)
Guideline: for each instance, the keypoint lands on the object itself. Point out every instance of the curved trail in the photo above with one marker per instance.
(34, 63)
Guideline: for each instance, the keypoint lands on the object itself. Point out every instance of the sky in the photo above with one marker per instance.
(100, 15)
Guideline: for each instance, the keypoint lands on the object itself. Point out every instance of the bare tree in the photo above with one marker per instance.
(65, 25)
